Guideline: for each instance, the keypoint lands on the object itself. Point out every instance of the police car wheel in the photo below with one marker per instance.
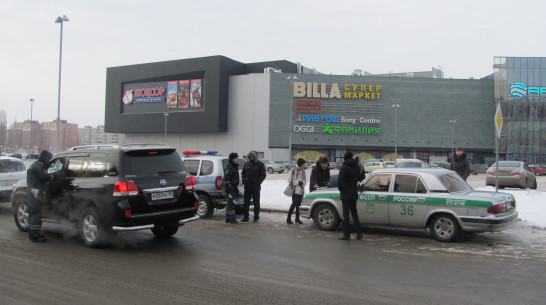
(21, 214)
(326, 217)
(444, 228)
(205, 208)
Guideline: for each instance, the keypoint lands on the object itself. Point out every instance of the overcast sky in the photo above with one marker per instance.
(460, 37)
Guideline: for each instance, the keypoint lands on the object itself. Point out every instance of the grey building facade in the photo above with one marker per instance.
(265, 106)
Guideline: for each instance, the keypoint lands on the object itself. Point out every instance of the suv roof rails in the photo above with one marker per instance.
(93, 146)
(146, 144)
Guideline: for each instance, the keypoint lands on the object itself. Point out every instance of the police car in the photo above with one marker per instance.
(208, 169)
(423, 198)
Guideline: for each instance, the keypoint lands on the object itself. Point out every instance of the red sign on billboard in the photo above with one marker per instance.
(308, 106)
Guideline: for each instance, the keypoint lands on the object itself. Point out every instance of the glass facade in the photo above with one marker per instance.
(520, 88)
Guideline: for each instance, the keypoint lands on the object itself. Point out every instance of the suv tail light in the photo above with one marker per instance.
(190, 183)
(497, 209)
(218, 182)
(125, 188)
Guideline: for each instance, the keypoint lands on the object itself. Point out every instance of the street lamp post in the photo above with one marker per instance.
(291, 78)
(31, 106)
(452, 134)
(60, 20)
(166, 115)
(395, 106)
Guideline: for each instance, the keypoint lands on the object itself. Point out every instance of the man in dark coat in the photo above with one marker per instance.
(460, 164)
(350, 175)
(253, 175)
(231, 182)
(320, 174)
(37, 178)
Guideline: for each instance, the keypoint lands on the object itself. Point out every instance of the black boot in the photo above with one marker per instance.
(288, 221)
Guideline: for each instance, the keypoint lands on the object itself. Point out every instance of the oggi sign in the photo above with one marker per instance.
(298, 128)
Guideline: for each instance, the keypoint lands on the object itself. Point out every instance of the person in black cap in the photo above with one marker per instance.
(37, 178)
(350, 175)
(253, 175)
(231, 182)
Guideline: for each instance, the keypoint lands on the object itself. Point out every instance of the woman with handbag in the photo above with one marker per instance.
(298, 181)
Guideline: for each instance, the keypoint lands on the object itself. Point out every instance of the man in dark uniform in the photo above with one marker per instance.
(350, 175)
(231, 182)
(460, 164)
(37, 178)
(253, 175)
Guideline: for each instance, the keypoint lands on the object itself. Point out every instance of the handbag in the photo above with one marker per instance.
(289, 190)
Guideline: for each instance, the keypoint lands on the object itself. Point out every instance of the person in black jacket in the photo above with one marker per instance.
(37, 178)
(350, 175)
(320, 174)
(231, 182)
(460, 164)
(253, 175)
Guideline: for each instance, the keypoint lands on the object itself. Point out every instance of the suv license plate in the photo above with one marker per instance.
(162, 195)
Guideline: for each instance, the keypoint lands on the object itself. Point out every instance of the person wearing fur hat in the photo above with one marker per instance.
(37, 179)
(253, 175)
(320, 174)
(460, 164)
(298, 180)
(231, 182)
(350, 175)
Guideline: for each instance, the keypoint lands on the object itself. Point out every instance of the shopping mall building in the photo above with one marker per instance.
(282, 109)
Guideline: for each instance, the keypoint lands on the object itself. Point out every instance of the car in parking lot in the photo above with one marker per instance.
(208, 169)
(537, 170)
(11, 171)
(109, 188)
(478, 169)
(371, 166)
(412, 164)
(511, 174)
(272, 167)
(418, 198)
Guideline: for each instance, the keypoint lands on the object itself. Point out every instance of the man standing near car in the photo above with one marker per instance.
(253, 175)
(350, 175)
(37, 178)
(460, 164)
(231, 182)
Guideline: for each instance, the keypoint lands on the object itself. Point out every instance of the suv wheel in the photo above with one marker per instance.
(92, 230)
(205, 208)
(164, 231)
(20, 214)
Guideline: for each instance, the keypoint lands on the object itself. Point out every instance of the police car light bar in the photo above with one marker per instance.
(199, 152)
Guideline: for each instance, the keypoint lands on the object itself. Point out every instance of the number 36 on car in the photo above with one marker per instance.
(423, 198)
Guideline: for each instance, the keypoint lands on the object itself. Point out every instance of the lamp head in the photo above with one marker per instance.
(61, 19)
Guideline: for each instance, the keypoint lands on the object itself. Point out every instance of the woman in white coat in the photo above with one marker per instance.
(298, 181)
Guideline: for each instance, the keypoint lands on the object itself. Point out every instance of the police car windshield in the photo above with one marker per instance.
(454, 183)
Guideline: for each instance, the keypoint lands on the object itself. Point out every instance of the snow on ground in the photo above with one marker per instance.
(531, 204)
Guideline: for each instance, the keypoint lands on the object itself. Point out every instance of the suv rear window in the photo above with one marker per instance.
(152, 162)
(11, 166)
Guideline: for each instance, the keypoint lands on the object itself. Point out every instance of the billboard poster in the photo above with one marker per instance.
(172, 94)
(184, 94)
(195, 97)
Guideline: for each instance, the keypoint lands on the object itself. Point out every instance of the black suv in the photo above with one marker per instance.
(109, 188)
